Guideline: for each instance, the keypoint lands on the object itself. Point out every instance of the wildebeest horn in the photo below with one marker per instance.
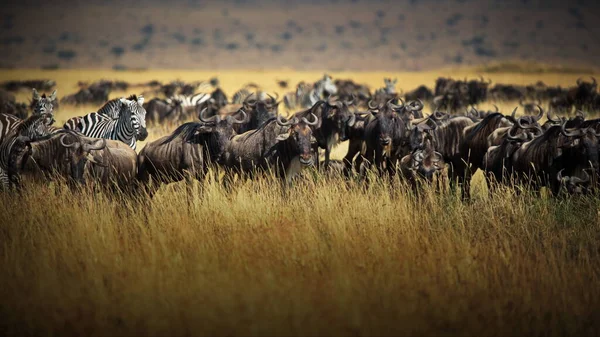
(245, 102)
(577, 180)
(567, 133)
(273, 99)
(281, 121)
(496, 107)
(315, 122)
(510, 136)
(206, 120)
(440, 115)
(62, 142)
(559, 176)
(372, 107)
(549, 116)
(514, 113)
(419, 105)
(438, 156)
(580, 113)
(242, 120)
(395, 106)
(541, 114)
(99, 144)
(350, 102)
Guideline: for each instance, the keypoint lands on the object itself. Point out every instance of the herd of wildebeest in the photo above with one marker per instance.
(388, 134)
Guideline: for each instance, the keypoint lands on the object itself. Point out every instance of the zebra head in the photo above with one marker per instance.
(135, 105)
(390, 85)
(328, 86)
(42, 104)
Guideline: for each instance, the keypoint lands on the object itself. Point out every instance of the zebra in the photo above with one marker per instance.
(293, 99)
(33, 128)
(386, 93)
(190, 100)
(42, 104)
(7, 123)
(129, 126)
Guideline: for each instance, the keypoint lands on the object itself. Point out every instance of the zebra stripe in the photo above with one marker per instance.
(193, 100)
(7, 124)
(126, 127)
(33, 128)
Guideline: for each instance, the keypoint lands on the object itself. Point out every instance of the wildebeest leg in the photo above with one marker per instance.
(353, 149)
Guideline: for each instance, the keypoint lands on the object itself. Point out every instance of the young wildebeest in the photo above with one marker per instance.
(280, 145)
(422, 165)
(334, 120)
(186, 153)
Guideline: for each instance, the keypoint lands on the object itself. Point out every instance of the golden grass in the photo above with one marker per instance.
(327, 258)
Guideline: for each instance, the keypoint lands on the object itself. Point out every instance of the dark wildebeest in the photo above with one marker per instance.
(283, 146)
(186, 153)
(573, 185)
(422, 165)
(448, 138)
(528, 106)
(62, 154)
(41, 85)
(350, 90)
(497, 162)
(159, 110)
(334, 119)
(583, 94)
(478, 91)
(258, 111)
(538, 161)
(385, 136)
(420, 93)
(504, 92)
(19, 110)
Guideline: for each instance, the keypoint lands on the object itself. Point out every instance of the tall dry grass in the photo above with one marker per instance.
(329, 257)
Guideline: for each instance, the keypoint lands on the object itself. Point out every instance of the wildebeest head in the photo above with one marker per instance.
(262, 109)
(135, 105)
(219, 98)
(336, 117)
(580, 145)
(427, 161)
(217, 130)
(586, 89)
(420, 133)
(42, 104)
(299, 136)
(390, 122)
(78, 152)
(573, 184)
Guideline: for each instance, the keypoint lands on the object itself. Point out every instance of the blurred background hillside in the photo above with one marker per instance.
(403, 35)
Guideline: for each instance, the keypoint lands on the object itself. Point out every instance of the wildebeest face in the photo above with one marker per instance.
(78, 152)
(339, 119)
(300, 138)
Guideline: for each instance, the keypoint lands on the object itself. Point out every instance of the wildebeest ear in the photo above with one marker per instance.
(204, 130)
(313, 140)
(282, 137)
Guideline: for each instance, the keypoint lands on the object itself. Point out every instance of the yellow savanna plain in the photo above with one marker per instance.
(328, 258)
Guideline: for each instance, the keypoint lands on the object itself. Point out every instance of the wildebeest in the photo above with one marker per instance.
(186, 153)
(538, 161)
(41, 85)
(19, 110)
(283, 146)
(386, 93)
(385, 136)
(258, 110)
(62, 154)
(160, 110)
(112, 167)
(422, 93)
(334, 119)
(573, 185)
(582, 95)
(421, 166)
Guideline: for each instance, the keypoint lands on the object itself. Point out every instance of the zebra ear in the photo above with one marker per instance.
(140, 100)
(53, 96)
(36, 95)
(123, 100)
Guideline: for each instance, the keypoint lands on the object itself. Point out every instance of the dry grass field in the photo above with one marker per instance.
(328, 258)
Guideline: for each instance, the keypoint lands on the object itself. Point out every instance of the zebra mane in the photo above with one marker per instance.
(132, 98)
(111, 108)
